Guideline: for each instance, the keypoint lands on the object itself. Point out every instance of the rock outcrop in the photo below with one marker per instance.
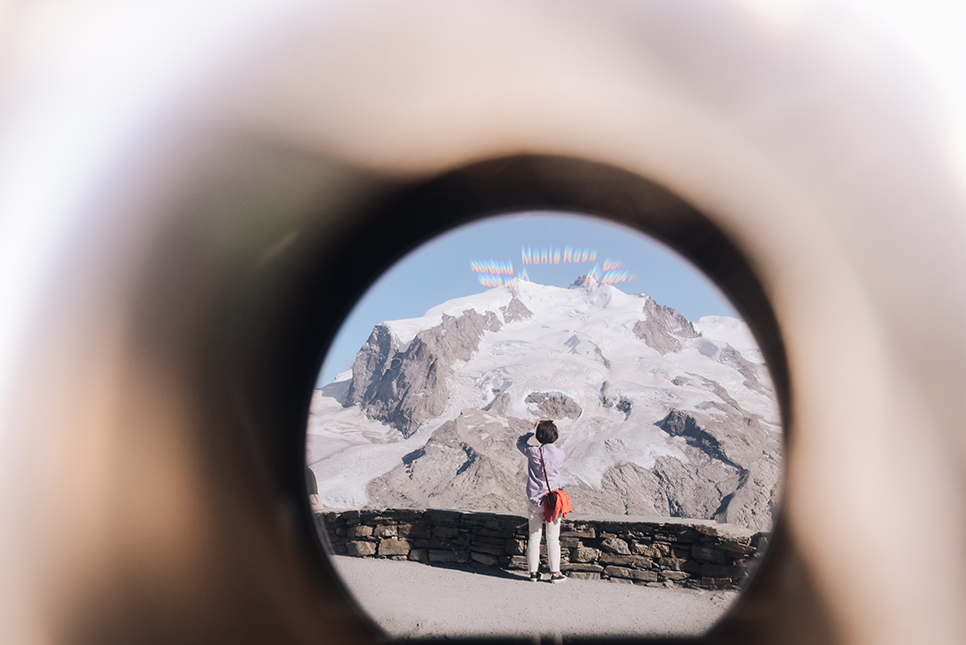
(468, 462)
(515, 311)
(406, 388)
(731, 474)
(554, 405)
(662, 327)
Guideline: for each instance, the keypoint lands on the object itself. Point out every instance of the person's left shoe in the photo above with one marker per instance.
(557, 578)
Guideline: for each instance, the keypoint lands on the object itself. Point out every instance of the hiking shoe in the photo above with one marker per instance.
(557, 578)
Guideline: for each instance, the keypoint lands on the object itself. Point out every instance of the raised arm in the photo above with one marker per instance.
(522, 442)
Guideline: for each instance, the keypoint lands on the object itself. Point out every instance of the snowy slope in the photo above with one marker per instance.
(608, 366)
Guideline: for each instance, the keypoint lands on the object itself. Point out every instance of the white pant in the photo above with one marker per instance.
(553, 540)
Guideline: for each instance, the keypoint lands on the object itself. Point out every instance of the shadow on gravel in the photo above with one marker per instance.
(478, 568)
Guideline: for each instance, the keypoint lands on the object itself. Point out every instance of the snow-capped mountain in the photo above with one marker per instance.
(658, 416)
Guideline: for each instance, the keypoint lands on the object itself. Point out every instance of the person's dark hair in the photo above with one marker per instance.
(546, 432)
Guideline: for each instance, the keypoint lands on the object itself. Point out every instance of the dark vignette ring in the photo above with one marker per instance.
(275, 355)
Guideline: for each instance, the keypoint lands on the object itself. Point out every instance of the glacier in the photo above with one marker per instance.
(659, 416)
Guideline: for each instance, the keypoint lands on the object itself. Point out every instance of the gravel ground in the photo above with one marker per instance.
(409, 599)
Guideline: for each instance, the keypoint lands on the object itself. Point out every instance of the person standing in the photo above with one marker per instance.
(544, 463)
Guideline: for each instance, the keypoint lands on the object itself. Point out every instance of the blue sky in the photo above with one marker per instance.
(441, 269)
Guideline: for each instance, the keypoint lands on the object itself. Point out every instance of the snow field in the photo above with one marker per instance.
(575, 341)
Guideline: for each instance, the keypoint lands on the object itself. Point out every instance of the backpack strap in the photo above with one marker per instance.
(544, 466)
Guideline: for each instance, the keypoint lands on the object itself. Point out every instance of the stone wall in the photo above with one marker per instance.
(692, 553)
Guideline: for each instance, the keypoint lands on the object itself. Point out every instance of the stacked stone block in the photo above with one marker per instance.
(691, 553)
